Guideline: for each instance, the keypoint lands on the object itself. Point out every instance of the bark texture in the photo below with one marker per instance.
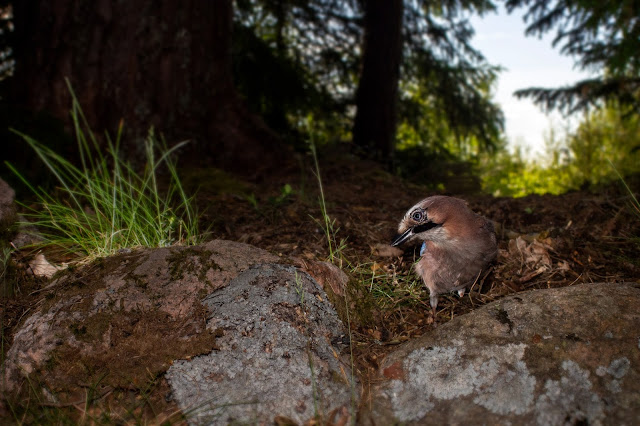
(377, 95)
(160, 63)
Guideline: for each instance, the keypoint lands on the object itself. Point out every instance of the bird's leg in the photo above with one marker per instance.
(433, 299)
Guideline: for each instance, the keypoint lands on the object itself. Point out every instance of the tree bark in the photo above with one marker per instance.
(156, 63)
(377, 95)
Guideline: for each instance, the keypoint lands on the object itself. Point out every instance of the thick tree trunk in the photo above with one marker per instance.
(150, 62)
(377, 94)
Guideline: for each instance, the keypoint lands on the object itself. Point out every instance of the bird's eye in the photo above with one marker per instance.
(417, 215)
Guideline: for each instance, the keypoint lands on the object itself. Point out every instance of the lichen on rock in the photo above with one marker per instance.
(570, 400)
(275, 354)
(496, 376)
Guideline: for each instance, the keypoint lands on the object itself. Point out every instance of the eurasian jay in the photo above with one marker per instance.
(457, 244)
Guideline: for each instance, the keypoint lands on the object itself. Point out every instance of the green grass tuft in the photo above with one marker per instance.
(389, 289)
(105, 205)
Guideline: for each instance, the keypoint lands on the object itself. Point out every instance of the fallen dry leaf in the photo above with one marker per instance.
(41, 267)
(376, 266)
(533, 254)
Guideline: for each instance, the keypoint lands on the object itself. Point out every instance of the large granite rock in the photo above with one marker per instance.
(112, 304)
(122, 321)
(548, 357)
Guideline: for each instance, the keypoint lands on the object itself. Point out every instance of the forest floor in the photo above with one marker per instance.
(545, 241)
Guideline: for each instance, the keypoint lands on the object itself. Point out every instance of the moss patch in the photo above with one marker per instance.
(124, 349)
(194, 261)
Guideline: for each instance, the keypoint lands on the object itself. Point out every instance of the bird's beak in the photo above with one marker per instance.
(401, 238)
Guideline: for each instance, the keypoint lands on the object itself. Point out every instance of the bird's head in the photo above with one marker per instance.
(433, 219)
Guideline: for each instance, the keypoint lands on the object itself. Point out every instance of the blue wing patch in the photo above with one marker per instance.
(423, 248)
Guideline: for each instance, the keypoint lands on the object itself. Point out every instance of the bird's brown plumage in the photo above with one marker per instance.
(457, 243)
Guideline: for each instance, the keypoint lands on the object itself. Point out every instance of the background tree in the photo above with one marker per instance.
(374, 126)
(606, 139)
(307, 54)
(602, 36)
(159, 63)
(439, 72)
(275, 37)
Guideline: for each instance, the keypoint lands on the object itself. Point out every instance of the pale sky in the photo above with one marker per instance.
(528, 61)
